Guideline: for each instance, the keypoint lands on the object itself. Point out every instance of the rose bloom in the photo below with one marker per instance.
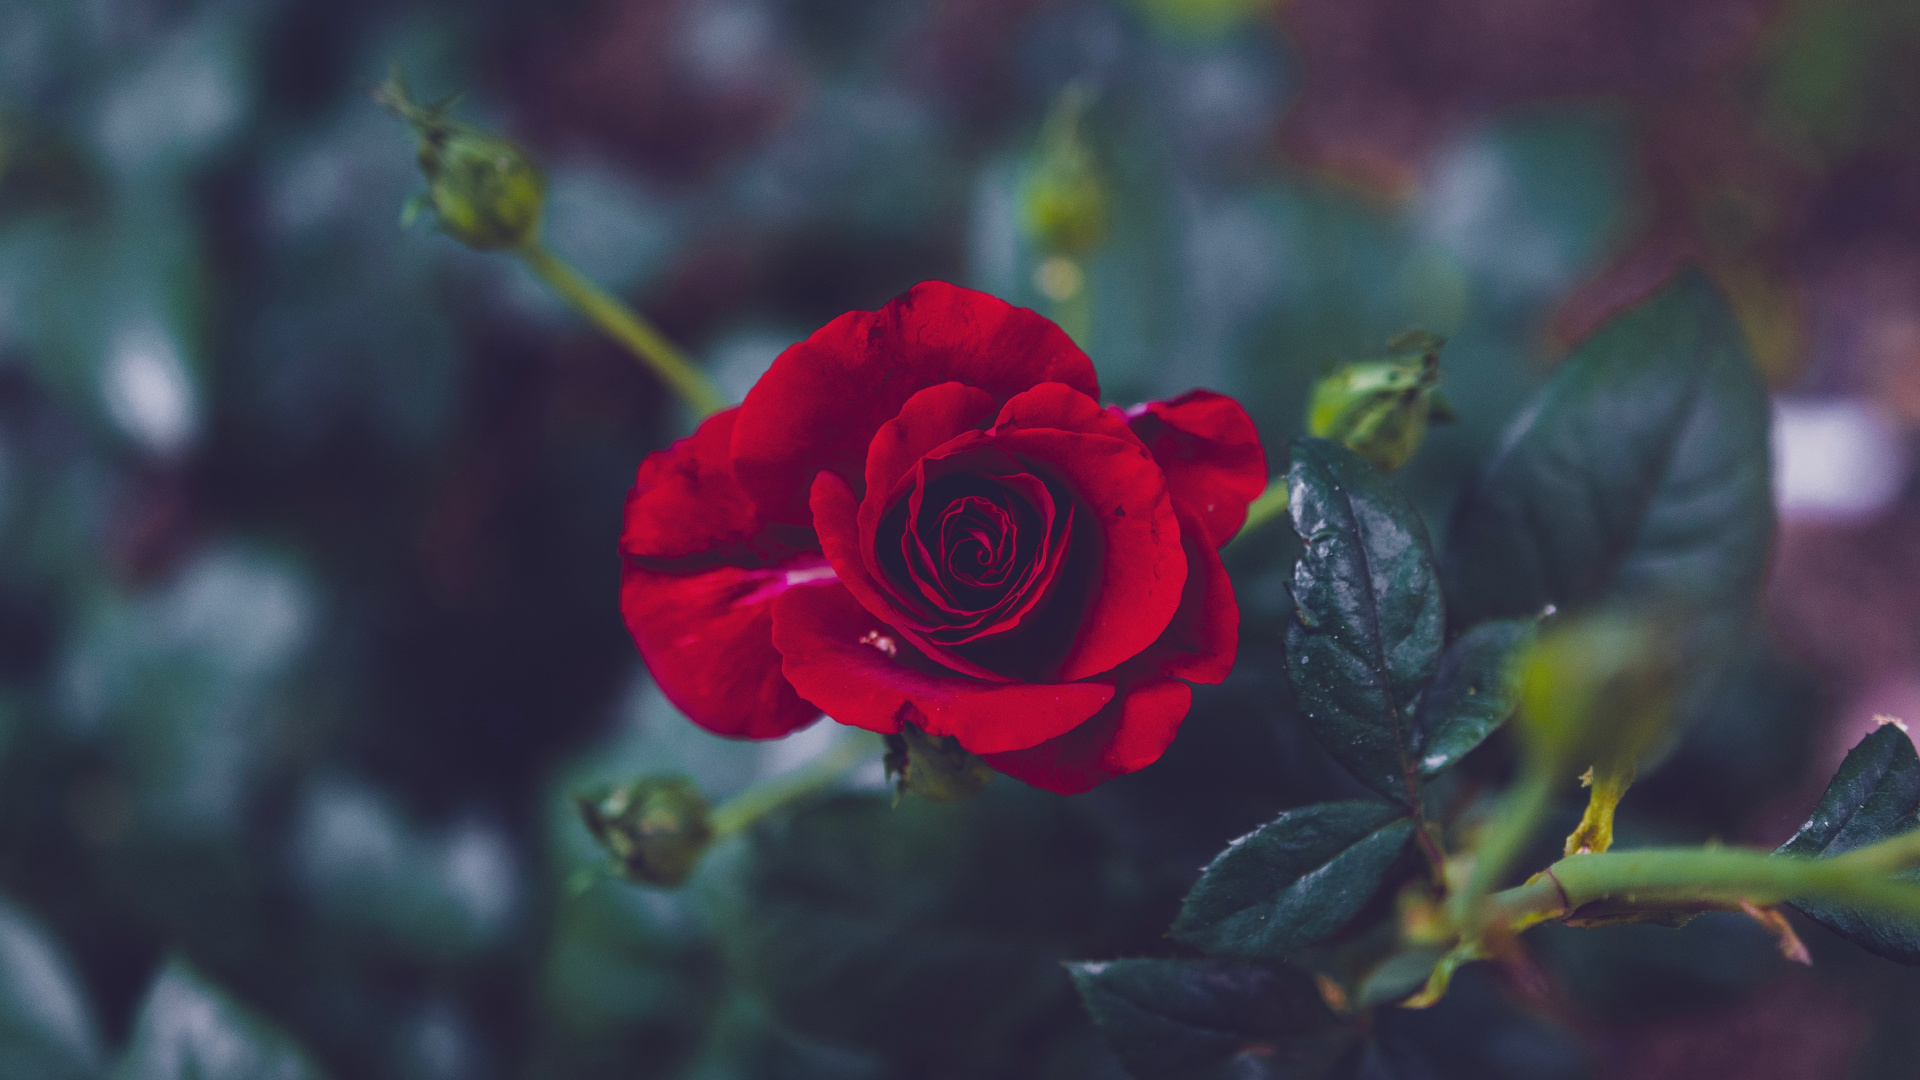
(923, 515)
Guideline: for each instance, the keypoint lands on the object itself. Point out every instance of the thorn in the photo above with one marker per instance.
(1776, 923)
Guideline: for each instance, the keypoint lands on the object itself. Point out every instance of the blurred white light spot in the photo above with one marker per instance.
(184, 100)
(724, 42)
(1473, 209)
(248, 612)
(480, 872)
(440, 1044)
(39, 991)
(147, 390)
(1834, 459)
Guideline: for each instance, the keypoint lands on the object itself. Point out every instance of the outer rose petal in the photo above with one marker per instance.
(684, 501)
(862, 673)
(820, 404)
(1211, 453)
(708, 639)
(1128, 735)
(1201, 641)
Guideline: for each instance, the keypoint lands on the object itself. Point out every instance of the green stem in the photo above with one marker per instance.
(625, 326)
(852, 749)
(1518, 819)
(1655, 879)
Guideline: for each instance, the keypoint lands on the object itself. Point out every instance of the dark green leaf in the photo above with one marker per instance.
(1875, 795)
(1641, 469)
(1293, 881)
(189, 1029)
(47, 1029)
(1368, 622)
(1472, 693)
(1177, 1019)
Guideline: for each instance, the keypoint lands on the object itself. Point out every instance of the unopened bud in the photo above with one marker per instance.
(656, 828)
(1380, 409)
(486, 191)
(934, 767)
(1065, 200)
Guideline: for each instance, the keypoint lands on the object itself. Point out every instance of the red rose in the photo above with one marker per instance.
(922, 514)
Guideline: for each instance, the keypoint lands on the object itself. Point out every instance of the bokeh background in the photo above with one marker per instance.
(308, 614)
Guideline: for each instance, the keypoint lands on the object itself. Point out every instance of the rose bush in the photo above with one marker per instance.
(923, 515)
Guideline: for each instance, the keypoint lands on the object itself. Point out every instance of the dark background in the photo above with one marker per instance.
(308, 613)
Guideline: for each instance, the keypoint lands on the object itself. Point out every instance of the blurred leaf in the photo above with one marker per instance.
(47, 1028)
(1366, 635)
(1474, 1033)
(1874, 796)
(189, 1029)
(1641, 469)
(434, 894)
(1473, 692)
(1211, 1018)
(745, 1042)
(1397, 976)
(1293, 881)
(930, 933)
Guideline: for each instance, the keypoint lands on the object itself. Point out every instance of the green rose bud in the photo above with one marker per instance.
(486, 192)
(1064, 202)
(1380, 409)
(934, 766)
(656, 828)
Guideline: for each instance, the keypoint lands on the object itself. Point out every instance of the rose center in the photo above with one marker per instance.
(978, 538)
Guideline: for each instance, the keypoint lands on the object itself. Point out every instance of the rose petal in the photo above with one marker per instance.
(1142, 567)
(1211, 453)
(1201, 641)
(707, 637)
(835, 510)
(1062, 408)
(822, 401)
(861, 672)
(684, 501)
(685, 507)
(835, 513)
(966, 456)
(1131, 733)
(929, 419)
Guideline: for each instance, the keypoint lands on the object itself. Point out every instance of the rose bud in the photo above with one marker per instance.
(923, 516)
(656, 828)
(935, 768)
(1380, 409)
(1064, 201)
(485, 191)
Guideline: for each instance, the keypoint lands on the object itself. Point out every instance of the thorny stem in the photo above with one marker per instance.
(1656, 879)
(628, 328)
(852, 749)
